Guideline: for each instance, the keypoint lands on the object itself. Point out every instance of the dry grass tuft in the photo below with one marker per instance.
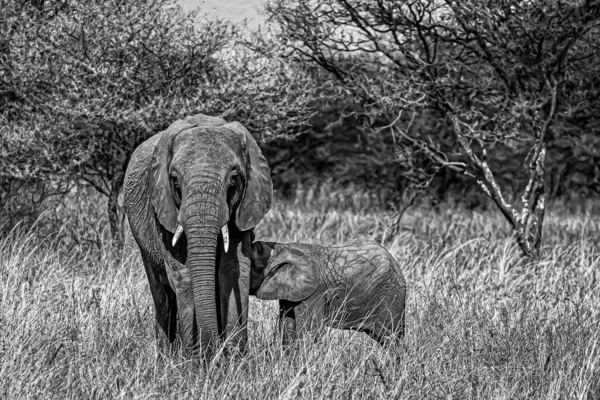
(481, 322)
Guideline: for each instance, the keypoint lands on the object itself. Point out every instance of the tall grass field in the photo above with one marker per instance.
(481, 322)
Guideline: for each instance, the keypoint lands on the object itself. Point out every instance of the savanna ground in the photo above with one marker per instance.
(481, 322)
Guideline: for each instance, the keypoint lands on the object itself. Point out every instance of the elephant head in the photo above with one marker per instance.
(209, 185)
(281, 272)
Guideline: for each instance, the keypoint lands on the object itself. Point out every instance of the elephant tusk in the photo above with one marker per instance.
(225, 232)
(177, 235)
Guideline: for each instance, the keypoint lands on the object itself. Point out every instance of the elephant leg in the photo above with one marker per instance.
(165, 301)
(388, 328)
(234, 287)
(309, 318)
(287, 322)
(392, 321)
(180, 281)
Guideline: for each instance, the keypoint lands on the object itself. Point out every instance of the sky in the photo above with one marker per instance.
(235, 10)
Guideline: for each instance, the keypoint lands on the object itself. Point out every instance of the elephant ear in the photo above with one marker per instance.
(258, 194)
(160, 187)
(290, 275)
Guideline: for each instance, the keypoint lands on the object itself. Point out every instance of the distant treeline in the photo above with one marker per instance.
(346, 153)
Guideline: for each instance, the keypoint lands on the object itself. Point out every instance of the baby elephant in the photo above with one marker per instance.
(357, 285)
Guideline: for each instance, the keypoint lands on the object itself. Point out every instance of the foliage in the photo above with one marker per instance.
(481, 322)
(100, 75)
(93, 80)
(265, 94)
(498, 72)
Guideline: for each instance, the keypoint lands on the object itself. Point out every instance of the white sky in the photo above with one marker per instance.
(235, 10)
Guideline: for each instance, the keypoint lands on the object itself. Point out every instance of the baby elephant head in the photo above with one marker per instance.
(282, 272)
(260, 252)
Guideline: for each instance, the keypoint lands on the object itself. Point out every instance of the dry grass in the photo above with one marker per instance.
(481, 323)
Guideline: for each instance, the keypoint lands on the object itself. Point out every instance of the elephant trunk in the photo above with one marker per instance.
(202, 227)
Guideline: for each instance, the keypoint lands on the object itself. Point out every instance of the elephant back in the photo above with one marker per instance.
(365, 259)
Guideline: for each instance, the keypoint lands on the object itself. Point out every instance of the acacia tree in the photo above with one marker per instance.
(89, 81)
(499, 72)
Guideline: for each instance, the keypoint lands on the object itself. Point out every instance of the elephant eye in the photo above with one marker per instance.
(234, 178)
(176, 189)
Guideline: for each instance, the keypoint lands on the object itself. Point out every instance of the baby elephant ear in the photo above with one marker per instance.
(160, 187)
(258, 195)
(292, 279)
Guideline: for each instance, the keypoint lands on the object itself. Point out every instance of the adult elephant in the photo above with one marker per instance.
(193, 194)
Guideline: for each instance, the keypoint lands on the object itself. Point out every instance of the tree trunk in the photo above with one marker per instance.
(115, 221)
(531, 221)
(116, 216)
